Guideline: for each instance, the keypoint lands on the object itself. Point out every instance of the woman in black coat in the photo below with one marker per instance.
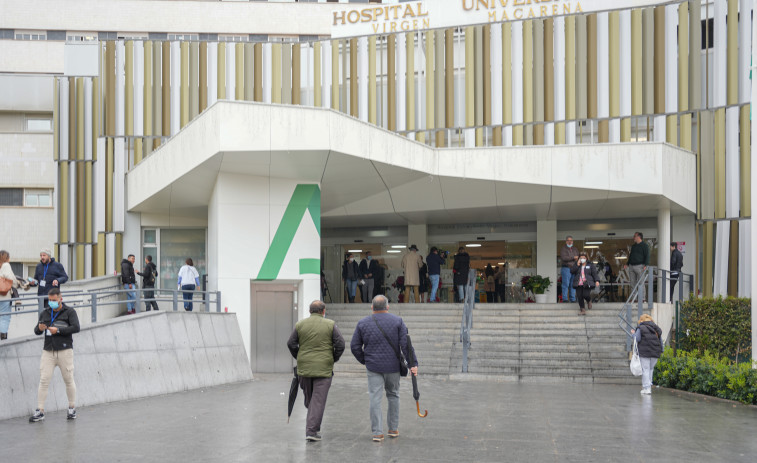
(585, 280)
(649, 342)
(461, 268)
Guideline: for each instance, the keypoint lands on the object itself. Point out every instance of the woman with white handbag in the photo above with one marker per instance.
(648, 337)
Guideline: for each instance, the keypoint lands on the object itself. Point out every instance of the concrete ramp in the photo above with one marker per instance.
(129, 358)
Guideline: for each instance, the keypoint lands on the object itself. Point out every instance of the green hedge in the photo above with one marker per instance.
(707, 374)
(720, 326)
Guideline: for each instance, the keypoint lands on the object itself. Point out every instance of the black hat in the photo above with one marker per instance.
(413, 247)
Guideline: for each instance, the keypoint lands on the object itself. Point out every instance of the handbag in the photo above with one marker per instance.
(397, 352)
(5, 285)
(635, 360)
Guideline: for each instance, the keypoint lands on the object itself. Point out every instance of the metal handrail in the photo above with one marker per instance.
(467, 322)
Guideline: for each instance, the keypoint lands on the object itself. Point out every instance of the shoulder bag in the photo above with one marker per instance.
(397, 352)
(5, 285)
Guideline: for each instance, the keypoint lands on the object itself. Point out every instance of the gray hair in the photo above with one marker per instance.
(568, 237)
(379, 303)
(317, 307)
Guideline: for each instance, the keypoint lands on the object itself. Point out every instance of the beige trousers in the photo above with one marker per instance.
(415, 294)
(63, 359)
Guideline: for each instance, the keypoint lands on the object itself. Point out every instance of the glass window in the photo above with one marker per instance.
(176, 245)
(44, 200)
(11, 197)
(31, 200)
(150, 236)
(39, 125)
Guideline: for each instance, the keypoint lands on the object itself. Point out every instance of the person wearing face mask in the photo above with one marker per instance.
(585, 279)
(48, 274)
(350, 276)
(369, 270)
(58, 322)
(568, 258)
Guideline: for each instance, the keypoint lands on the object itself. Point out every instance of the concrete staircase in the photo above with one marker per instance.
(515, 342)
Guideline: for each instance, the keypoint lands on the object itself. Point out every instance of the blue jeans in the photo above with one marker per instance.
(434, 286)
(351, 287)
(131, 296)
(461, 292)
(5, 320)
(187, 296)
(377, 383)
(567, 285)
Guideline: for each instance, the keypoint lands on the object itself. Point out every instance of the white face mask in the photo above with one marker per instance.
(583, 261)
(352, 259)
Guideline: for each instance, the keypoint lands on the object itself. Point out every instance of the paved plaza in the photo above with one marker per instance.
(467, 421)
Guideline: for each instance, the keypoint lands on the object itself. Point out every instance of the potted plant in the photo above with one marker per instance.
(537, 285)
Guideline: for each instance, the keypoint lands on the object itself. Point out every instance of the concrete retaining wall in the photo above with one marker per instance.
(129, 358)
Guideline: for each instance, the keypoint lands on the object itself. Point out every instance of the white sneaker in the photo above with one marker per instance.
(647, 391)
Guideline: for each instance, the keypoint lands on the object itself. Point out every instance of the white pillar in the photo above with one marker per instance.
(417, 234)
(663, 250)
(546, 254)
(753, 262)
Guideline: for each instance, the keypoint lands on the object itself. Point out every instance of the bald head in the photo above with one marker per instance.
(317, 307)
(380, 303)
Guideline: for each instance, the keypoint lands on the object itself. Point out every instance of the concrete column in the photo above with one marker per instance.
(546, 254)
(753, 233)
(417, 234)
(663, 248)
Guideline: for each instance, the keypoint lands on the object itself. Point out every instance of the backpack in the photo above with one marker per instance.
(150, 279)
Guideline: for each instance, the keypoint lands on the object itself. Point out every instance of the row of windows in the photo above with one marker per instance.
(20, 197)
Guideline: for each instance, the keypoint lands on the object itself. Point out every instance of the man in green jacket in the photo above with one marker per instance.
(317, 344)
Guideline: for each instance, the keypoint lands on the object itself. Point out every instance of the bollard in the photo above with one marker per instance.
(93, 303)
(175, 300)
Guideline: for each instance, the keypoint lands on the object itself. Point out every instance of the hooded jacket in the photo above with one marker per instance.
(127, 273)
(149, 275)
(48, 273)
(67, 323)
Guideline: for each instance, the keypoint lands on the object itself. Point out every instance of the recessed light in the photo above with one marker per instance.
(398, 246)
(500, 263)
(591, 247)
(354, 250)
(621, 258)
(472, 245)
(593, 242)
(393, 251)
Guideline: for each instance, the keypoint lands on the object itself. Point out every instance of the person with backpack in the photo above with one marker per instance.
(149, 275)
(649, 342)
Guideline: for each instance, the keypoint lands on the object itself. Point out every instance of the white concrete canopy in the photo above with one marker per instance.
(372, 176)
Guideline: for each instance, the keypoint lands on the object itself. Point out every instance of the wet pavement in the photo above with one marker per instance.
(468, 421)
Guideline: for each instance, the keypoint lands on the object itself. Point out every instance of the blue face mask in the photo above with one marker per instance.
(368, 257)
(569, 245)
(53, 304)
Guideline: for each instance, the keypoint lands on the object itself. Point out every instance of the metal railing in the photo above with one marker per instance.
(651, 279)
(467, 322)
(115, 296)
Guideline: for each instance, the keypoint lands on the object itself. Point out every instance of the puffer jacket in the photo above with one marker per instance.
(649, 340)
(371, 348)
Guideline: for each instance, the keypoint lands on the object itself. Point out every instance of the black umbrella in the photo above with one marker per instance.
(416, 394)
(293, 393)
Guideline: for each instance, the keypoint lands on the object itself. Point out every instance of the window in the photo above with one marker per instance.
(233, 38)
(39, 125)
(17, 268)
(132, 36)
(31, 35)
(38, 198)
(184, 37)
(11, 197)
(82, 37)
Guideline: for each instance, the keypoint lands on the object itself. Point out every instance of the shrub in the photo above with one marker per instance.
(720, 326)
(707, 374)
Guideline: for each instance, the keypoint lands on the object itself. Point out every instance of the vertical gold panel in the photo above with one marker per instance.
(487, 77)
(166, 77)
(732, 73)
(276, 73)
(317, 69)
(479, 79)
(582, 63)
(720, 186)
(249, 72)
(391, 77)
(147, 93)
(335, 44)
(449, 76)
(296, 76)
(410, 81)
(440, 90)
(119, 247)
(354, 110)
(570, 67)
(110, 88)
(745, 171)
(286, 73)
(430, 110)
(203, 77)
(528, 80)
(470, 82)
(79, 261)
(591, 73)
(549, 69)
(507, 75)
(648, 58)
(614, 39)
(239, 71)
(625, 130)
(258, 70)
(659, 60)
(63, 201)
(538, 86)
(636, 63)
(99, 252)
(194, 79)
(184, 88)
(129, 88)
(372, 107)
(221, 79)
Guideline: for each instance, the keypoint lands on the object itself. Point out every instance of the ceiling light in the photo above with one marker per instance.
(393, 251)
(620, 257)
(593, 242)
(591, 247)
(500, 263)
(398, 246)
(472, 245)
(354, 250)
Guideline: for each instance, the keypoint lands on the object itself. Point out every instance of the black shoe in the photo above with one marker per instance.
(314, 438)
(38, 416)
(71, 414)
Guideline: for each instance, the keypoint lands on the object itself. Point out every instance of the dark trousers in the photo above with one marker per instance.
(188, 296)
(583, 293)
(316, 391)
(673, 280)
(491, 297)
(149, 294)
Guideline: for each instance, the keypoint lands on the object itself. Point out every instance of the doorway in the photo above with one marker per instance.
(272, 317)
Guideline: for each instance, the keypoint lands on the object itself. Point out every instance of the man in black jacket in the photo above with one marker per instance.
(149, 275)
(58, 322)
(676, 264)
(129, 280)
(369, 269)
(48, 274)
